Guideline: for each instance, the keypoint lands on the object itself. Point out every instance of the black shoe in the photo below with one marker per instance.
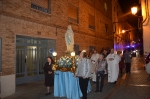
(84, 97)
(47, 94)
(96, 91)
(115, 82)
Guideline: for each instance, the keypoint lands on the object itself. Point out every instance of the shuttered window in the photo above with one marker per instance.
(72, 13)
(91, 22)
(41, 5)
(105, 6)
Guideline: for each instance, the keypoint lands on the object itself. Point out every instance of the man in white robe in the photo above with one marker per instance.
(113, 66)
(94, 59)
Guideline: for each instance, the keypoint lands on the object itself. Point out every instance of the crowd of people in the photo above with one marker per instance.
(94, 66)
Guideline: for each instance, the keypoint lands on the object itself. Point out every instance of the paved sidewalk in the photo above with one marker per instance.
(135, 85)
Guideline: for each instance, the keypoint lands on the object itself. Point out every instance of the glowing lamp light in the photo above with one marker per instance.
(134, 10)
(72, 53)
(127, 46)
(54, 54)
(123, 31)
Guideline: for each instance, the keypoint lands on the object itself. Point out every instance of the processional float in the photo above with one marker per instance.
(68, 62)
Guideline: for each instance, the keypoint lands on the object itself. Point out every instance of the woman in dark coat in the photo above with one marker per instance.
(121, 63)
(49, 74)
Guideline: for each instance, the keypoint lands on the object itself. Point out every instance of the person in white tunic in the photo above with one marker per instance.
(113, 66)
(94, 58)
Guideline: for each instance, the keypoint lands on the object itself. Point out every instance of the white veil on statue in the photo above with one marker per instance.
(69, 38)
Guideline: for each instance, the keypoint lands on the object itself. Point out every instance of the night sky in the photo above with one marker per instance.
(127, 4)
(126, 7)
(132, 19)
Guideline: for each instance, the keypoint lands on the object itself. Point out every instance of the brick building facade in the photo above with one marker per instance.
(91, 21)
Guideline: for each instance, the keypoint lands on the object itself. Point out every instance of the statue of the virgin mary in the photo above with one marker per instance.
(69, 37)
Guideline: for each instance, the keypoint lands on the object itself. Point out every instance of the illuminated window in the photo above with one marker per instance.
(105, 6)
(72, 13)
(91, 22)
(41, 5)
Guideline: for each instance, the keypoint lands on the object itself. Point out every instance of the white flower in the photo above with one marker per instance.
(65, 61)
(84, 51)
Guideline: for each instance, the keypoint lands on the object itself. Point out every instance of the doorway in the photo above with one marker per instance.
(31, 56)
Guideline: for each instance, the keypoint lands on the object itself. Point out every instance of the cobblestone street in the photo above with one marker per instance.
(135, 85)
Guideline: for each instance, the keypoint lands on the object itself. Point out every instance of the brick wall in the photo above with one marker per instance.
(18, 18)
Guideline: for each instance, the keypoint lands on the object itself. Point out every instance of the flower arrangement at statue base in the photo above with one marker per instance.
(66, 63)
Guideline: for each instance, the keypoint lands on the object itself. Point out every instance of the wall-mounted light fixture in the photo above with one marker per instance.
(123, 31)
(122, 23)
(134, 10)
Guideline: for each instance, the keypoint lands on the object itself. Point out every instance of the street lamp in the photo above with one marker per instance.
(129, 30)
(134, 10)
(123, 31)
